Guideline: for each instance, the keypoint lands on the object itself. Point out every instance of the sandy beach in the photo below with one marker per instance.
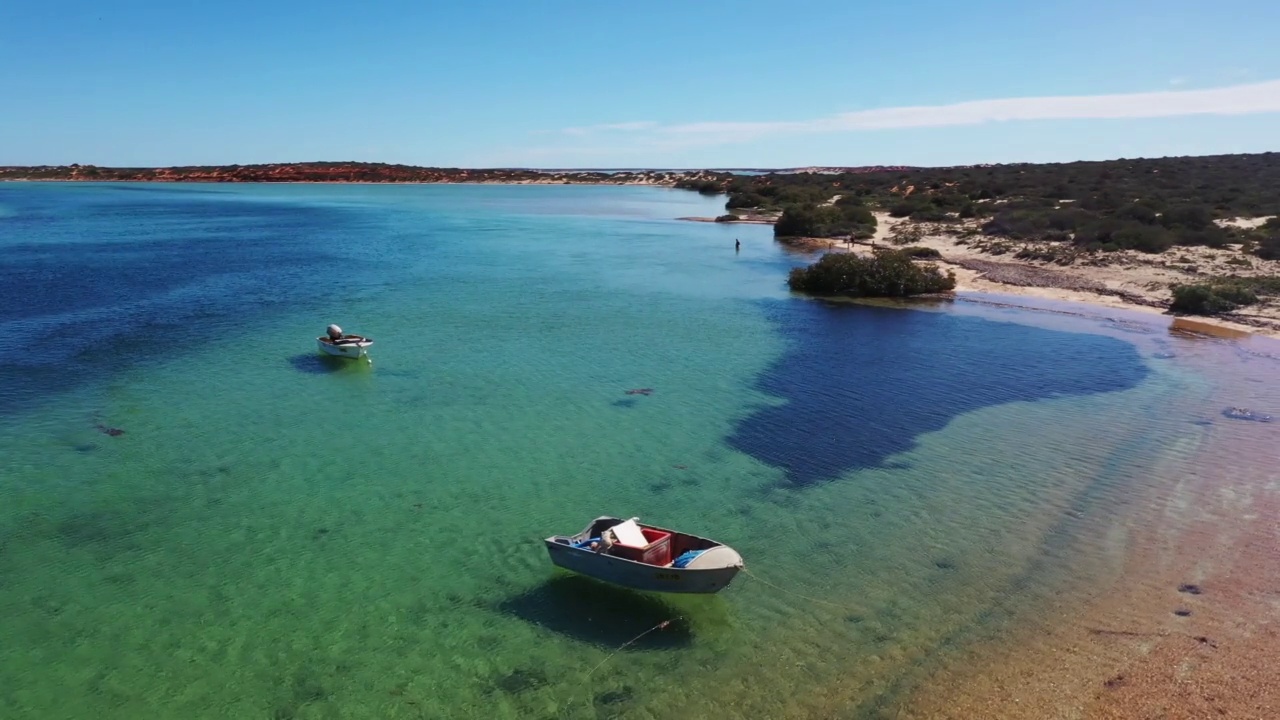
(1125, 279)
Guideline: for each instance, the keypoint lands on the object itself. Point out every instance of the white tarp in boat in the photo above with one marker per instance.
(628, 533)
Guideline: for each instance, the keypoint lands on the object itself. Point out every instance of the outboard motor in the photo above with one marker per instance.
(335, 332)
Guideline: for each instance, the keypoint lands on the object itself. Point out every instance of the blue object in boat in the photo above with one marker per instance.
(686, 558)
(587, 543)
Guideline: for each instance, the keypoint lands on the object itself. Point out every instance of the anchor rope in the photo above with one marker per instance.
(792, 592)
(660, 626)
(666, 623)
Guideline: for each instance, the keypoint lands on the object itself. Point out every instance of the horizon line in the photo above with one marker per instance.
(638, 168)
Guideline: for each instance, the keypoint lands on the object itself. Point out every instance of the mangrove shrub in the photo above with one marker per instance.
(822, 221)
(890, 273)
(1210, 299)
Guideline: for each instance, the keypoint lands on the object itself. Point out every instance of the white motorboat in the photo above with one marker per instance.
(335, 342)
(646, 557)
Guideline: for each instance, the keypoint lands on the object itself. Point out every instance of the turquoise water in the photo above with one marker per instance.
(274, 535)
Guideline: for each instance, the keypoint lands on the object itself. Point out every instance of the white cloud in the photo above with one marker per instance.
(559, 156)
(1262, 97)
(611, 127)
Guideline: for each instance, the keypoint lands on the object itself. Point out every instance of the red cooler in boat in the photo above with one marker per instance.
(657, 552)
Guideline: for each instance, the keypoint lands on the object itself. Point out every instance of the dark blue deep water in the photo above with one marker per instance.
(100, 278)
(862, 383)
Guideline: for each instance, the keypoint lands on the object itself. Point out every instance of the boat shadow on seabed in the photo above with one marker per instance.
(593, 612)
(317, 364)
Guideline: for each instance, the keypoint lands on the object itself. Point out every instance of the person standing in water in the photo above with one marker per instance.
(737, 245)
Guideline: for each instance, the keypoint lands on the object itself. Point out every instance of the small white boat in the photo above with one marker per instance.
(335, 342)
(646, 557)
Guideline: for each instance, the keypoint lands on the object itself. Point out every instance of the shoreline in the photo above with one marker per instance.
(360, 173)
(1182, 624)
(749, 220)
(1127, 281)
(1179, 621)
(1136, 283)
(1133, 284)
(664, 183)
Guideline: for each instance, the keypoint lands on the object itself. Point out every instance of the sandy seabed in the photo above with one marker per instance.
(1186, 627)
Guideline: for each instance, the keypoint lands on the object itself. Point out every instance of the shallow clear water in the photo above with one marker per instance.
(279, 536)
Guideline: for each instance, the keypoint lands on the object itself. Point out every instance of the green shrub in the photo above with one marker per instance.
(1236, 294)
(1198, 300)
(706, 187)
(1207, 299)
(929, 214)
(1212, 236)
(727, 218)
(1268, 248)
(1137, 213)
(1190, 217)
(1143, 238)
(1018, 224)
(825, 221)
(798, 221)
(903, 209)
(745, 200)
(857, 214)
(863, 232)
(950, 201)
(1069, 219)
(1268, 285)
(886, 274)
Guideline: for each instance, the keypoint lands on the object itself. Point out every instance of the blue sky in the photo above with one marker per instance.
(610, 84)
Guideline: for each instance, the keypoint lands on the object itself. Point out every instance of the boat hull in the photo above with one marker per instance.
(357, 349)
(565, 553)
(639, 576)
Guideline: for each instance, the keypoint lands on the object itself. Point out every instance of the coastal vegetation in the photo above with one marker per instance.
(1211, 298)
(1266, 242)
(842, 218)
(1197, 235)
(1224, 294)
(888, 273)
(1148, 205)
